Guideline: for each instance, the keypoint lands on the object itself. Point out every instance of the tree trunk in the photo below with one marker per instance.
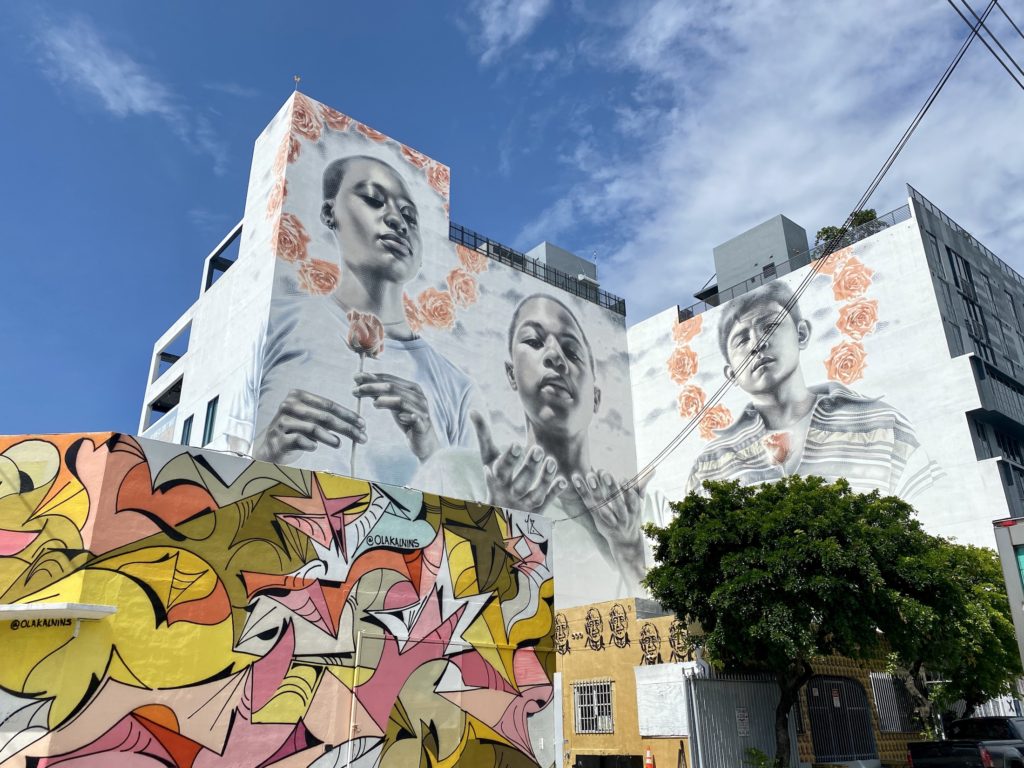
(913, 680)
(790, 682)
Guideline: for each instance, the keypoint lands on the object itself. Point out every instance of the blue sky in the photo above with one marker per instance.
(644, 132)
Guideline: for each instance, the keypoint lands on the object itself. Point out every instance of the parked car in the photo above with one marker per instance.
(977, 742)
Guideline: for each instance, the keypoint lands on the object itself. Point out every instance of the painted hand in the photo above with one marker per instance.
(305, 421)
(517, 478)
(408, 406)
(616, 515)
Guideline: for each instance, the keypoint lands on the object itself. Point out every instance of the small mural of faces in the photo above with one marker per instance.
(677, 642)
(594, 626)
(618, 623)
(561, 634)
(650, 645)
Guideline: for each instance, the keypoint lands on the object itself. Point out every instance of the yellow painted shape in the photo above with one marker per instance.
(487, 635)
(292, 699)
(71, 502)
(176, 575)
(334, 487)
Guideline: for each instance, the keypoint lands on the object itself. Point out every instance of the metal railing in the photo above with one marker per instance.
(798, 261)
(556, 277)
(998, 263)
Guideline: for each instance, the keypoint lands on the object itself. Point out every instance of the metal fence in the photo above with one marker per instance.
(798, 261)
(892, 701)
(840, 719)
(513, 258)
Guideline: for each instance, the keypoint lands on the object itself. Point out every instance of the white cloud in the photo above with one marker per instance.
(503, 23)
(740, 111)
(74, 54)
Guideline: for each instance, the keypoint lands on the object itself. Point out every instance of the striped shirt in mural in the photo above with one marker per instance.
(862, 439)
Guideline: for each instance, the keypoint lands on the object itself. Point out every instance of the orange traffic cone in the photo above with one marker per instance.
(649, 759)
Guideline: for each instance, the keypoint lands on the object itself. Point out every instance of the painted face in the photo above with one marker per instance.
(595, 625)
(561, 629)
(649, 641)
(677, 636)
(551, 368)
(617, 620)
(377, 223)
(773, 360)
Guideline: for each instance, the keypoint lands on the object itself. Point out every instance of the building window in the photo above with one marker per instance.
(895, 711)
(592, 702)
(211, 420)
(186, 431)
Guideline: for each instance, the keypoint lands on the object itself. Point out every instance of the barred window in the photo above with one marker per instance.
(895, 709)
(592, 702)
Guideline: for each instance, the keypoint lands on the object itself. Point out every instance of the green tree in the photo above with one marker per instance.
(858, 220)
(779, 574)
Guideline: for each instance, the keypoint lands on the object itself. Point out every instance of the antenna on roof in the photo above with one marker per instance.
(297, 79)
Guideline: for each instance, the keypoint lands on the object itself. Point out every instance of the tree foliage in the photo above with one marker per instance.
(858, 219)
(781, 573)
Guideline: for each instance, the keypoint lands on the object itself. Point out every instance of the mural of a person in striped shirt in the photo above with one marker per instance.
(789, 427)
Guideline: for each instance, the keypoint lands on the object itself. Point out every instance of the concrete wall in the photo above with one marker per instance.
(772, 242)
(388, 353)
(263, 615)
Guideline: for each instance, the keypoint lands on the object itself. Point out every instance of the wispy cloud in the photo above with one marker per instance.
(74, 54)
(503, 23)
(729, 113)
(233, 89)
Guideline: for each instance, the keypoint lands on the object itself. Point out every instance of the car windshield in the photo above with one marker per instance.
(982, 729)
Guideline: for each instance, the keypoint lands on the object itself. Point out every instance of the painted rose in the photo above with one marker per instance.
(288, 152)
(691, 400)
(318, 277)
(417, 159)
(846, 362)
(365, 333)
(277, 197)
(682, 365)
(369, 133)
(473, 261)
(412, 313)
(437, 308)
(439, 179)
(289, 239)
(718, 417)
(852, 280)
(834, 263)
(778, 446)
(462, 287)
(686, 331)
(305, 118)
(334, 120)
(858, 318)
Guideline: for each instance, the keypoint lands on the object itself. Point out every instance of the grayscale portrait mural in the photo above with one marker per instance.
(392, 354)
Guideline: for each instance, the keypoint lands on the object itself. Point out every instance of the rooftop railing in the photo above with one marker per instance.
(556, 277)
(802, 259)
(998, 263)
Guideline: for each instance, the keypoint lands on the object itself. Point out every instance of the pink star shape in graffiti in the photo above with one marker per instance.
(322, 518)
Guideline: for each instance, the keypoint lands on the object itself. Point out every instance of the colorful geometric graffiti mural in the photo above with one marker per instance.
(264, 615)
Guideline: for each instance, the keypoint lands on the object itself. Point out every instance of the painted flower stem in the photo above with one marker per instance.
(359, 412)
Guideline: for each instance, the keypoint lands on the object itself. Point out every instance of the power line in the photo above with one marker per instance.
(816, 267)
(1012, 24)
(981, 23)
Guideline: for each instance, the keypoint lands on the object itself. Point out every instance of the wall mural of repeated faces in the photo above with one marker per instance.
(265, 615)
(395, 355)
(650, 645)
(594, 630)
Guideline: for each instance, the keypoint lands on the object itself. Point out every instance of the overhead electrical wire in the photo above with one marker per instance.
(995, 39)
(816, 266)
(1012, 23)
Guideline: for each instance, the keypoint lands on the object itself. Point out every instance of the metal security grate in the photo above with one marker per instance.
(592, 702)
(837, 708)
(895, 710)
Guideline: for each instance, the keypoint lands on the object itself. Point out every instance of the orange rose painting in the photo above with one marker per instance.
(718, 417)
(288, 152)
(318, 277)
(473, 261)
(277, 197)
(289, 239)
(305, 118)
(365, 334)
(834, 262)
(852, 280)
(439, 178)
(686, 331)
(412, 313)
(858, 318)
(462, 287)
(846, 362)
(778, 446)
(691, 399)
(682, 365)
(369, 133)
(437, 308)
(416, 159)
(334, 120)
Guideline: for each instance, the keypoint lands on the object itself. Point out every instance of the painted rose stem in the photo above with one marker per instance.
(366, 339)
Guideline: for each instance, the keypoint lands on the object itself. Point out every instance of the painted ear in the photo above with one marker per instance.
(729, 373)
(327, 214)
(597, 398)
(803, 333)
(510, 374)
